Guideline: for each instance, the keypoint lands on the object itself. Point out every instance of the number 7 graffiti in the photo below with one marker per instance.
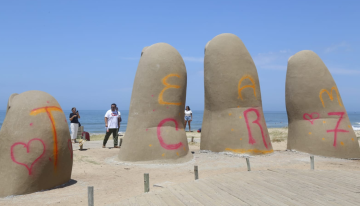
(336, 130)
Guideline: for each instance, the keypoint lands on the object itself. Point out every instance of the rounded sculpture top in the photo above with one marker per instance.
(307, 76)
(143, 50)
(231, 78)
(35, 132)
(307, 61)
(156, 115)
(290, 58)
(207, 44)
(318, 121)
(34, 99)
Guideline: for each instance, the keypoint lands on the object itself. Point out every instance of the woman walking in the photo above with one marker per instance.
(74, 125)
(188, 117)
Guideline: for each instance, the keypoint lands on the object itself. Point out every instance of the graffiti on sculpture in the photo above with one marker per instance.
(311, 117)
(256, 121)
(336, 130)
(168, 86)
(161, 140)
(48, 110)
(330, 94)
(27, 146)
(162, 122)
(247, 121)
(252, 85)
(315, 115)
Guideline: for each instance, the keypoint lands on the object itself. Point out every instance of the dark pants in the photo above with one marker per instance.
(115, 136)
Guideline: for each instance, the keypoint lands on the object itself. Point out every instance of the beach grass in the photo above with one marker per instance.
(278, 134)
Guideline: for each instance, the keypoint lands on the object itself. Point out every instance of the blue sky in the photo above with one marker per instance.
(85, 53)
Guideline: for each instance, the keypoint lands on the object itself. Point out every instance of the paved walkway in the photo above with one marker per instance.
(270, 187)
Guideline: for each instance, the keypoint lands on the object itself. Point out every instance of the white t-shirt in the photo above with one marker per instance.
(188, 113)
(113, 118)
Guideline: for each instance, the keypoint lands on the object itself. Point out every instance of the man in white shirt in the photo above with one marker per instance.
(112, 123)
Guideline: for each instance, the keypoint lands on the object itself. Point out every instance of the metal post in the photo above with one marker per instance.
(196, 172)
(248, 164)
(146, 183)
(192, 139)
(82, 137)
(120, 142)
(312, 162)
(91, 196)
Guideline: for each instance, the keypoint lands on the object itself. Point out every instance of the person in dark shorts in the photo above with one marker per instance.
(112, 123)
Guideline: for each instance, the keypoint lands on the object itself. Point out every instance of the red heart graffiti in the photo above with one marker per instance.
(28, 150)
(310, 117)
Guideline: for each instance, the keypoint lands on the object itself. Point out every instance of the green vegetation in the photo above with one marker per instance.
(278, 135)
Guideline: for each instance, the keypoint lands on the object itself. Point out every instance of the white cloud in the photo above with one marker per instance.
(285, 51)
(344, 71)
(272, 60)
(193, 59)
(336, 47)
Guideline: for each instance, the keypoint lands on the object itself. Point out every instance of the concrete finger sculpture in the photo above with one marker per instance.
(318, 121)
(35, 147)
(233, 117)
(155, 130)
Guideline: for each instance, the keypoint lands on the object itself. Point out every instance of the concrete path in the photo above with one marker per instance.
(269, 187)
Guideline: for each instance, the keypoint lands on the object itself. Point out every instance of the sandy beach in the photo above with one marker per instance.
(115, 181)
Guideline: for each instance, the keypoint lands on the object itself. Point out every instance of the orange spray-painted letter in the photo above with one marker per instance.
(48, 110)
(330, 95)
(168, 86)
(253, 86)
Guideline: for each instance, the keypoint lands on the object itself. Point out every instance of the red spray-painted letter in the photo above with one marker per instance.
(161, 140)
(257, 121)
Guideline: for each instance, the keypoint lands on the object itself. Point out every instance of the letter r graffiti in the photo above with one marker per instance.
(256, 121)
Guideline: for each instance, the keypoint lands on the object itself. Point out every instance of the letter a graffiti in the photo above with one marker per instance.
(253, 86)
